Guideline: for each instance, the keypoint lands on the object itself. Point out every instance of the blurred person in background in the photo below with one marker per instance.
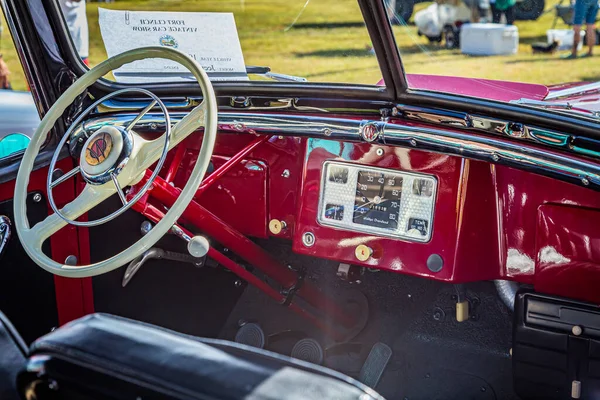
(585, 10)
(506, 7)
(4, 74)
(480, 9)
(391, 10)
(4, 71)
(75, 15)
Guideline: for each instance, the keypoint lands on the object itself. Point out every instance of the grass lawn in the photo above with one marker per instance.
(328, 43)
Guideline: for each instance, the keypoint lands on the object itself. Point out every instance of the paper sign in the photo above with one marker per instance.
(209, 38)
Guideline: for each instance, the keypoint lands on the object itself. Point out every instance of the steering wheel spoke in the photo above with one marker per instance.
(89, 197)
(189, 123)
(141, 115)
(65, 177)
(147, 152)
(120, 192)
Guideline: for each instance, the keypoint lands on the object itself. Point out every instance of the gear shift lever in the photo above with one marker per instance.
(197, 247)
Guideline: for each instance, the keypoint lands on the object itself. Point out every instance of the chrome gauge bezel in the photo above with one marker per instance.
(355, 227)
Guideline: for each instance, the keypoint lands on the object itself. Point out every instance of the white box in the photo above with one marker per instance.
(565, 37)
(489, 39)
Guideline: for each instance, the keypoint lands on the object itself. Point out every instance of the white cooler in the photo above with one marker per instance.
(489, 39)
(565, 37)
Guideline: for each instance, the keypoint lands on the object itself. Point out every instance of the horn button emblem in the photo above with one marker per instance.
(104, 154)
(98, 149)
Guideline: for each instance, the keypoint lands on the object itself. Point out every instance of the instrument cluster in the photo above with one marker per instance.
(379, 201)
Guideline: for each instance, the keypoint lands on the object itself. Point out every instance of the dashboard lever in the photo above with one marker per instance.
(157, 254)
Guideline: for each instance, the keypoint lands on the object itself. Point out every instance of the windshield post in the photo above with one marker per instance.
(384, 43)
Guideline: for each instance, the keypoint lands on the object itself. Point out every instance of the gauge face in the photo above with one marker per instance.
(334, 211)
(418, 226)
(338, 174)
(377, 200)
(422, 187)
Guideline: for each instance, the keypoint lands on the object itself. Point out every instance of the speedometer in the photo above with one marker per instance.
(377, 200)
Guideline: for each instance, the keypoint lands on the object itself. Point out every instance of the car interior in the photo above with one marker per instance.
(419, 237)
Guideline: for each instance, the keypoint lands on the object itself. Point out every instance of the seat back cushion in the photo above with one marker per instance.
(12, 359)
(170, 364)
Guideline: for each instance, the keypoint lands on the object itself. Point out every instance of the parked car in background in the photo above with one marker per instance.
(526, 9)
(15, 132)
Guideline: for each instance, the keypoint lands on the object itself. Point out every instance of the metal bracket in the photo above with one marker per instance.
(290, 292)
(158, 254)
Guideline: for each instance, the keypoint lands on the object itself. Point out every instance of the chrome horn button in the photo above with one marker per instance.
(105, 153)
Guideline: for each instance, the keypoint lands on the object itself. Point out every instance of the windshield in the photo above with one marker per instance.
(540, 46)
(520, 51)
(274, 40)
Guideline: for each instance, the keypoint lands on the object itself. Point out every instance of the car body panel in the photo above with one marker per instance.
(479, 88)
(18, 113)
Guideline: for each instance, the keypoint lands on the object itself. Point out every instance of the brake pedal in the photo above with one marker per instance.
(308, 350)
(375, 364)
(251, 334)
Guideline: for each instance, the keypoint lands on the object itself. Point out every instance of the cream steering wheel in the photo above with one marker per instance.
(119, 158)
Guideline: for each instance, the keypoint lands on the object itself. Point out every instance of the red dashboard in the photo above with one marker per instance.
(489, 221)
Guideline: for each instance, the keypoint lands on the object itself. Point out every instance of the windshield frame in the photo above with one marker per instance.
(381, 36)
(42, 58)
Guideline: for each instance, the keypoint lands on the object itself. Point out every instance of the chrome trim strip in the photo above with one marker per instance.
(492, 149)
(497, 127)
(495, 151)
(239, 102)
(334, 128)
(574, 90)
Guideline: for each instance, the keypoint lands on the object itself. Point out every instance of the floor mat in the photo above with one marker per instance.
(434, 357)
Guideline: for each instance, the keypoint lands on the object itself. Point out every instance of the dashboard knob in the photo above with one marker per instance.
(198, 246)
(276, 226)
(363, 252)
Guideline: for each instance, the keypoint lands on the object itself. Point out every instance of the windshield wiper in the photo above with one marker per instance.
(573, 90)
(266, 72)
(564, 106)
(540, 103)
